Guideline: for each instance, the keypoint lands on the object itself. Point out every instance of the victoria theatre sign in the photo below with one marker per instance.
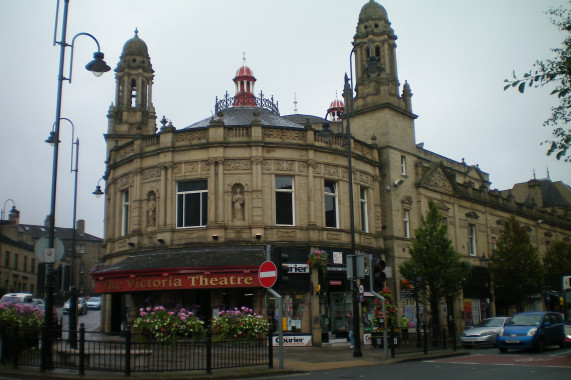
(176, 281)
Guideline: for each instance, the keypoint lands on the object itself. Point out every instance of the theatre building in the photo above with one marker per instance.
(191, 212)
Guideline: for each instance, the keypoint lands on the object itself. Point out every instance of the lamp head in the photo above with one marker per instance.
(98, 65)
(52, 139)
(98, 193)
(325, 132)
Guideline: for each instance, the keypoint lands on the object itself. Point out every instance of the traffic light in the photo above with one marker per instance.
(379, 276)
(280, 259)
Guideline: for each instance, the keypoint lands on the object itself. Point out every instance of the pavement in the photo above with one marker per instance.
(295, 360)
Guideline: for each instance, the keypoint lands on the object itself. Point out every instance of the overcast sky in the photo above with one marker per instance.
(455, 55)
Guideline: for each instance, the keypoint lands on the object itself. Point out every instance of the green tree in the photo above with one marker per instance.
(514, 265)
(556, 72)
(557, 263)
(434, 263)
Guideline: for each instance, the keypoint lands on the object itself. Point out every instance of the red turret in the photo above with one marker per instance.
(244, 80)
(335, 109)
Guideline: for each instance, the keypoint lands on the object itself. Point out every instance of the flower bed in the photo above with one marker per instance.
(168, 325)
(239, 323)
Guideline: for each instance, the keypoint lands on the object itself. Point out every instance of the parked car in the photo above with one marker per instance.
(532, 330)
(81, 306)
(485, 333)
(94, 303)
(17, 298)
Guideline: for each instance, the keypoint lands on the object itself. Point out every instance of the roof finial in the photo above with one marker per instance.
(548, 173)
(136, 32)
(534, 175)
(244, 57)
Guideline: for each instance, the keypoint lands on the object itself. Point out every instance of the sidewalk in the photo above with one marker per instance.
(296, 359)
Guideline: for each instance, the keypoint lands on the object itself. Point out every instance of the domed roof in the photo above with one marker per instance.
(372, 11)
(337, 104)
(244, 71)
(136, 46)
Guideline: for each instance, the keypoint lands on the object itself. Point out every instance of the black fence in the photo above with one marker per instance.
(422, 341)
(128, 352)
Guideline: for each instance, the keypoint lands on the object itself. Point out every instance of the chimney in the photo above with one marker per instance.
(80, 227)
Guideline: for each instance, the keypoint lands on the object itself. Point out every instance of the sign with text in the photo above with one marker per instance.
(176, 281)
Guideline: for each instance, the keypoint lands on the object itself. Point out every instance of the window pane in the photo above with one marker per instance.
(330, 212)
(284, 209)
(192, 210)
(329, 187)
(191, 186)
(284, 183)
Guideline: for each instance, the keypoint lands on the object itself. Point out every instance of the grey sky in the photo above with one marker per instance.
(454, 54)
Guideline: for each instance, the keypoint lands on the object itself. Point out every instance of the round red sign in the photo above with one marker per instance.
(267, 274)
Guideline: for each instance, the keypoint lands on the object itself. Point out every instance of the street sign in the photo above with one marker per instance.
(41, 247)
(267, 274)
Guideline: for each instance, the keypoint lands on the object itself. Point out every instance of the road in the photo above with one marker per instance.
(481, 364)
(92, 319)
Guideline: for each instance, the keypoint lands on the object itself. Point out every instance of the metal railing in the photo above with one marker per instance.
(400, 343)
(130, 352)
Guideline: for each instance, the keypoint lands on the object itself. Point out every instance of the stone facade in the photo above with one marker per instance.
(239, 154)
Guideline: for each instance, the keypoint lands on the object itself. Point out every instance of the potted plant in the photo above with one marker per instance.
(318, 260)
(239, 323)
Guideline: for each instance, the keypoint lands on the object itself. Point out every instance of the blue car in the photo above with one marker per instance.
(532, 330)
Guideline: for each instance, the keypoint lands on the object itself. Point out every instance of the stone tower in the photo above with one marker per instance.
(133, 113)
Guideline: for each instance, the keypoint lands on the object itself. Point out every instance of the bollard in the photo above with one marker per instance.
(443, 338)
(392, 342)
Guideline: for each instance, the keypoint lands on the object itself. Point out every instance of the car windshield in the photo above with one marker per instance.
(526, 320)
(94, 299)
(492, 322)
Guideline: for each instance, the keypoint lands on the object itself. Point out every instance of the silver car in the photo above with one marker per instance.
(484, 334)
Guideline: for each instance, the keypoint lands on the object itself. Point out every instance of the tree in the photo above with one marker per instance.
(557, 72)
(434, 263)
(514, 265)
(557, 263)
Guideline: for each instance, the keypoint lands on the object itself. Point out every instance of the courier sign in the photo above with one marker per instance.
(176, 281)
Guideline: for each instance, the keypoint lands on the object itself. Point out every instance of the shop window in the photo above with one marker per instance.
(285, 210)
(330, 193)
(192, 202)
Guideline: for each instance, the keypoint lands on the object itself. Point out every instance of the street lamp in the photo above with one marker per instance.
(74, 168)
(12, 210)
(98, 67)
(98, 192)
(373, 68)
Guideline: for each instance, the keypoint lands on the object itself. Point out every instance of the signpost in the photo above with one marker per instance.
(267, 274)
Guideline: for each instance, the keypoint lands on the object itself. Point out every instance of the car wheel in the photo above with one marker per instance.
(541, 344)
(503, 350)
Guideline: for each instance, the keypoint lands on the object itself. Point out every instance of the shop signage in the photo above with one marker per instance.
(335, 282)
(177, 281)
(301, 340)
(298, 268)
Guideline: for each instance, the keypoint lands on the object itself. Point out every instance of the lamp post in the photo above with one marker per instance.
(98, 67)
(74, 168)
(373, 69)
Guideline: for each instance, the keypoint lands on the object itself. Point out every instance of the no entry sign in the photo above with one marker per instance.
(267, 274)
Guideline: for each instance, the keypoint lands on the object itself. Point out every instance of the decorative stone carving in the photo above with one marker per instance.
(302, 167)
(125, 152)
(150, 173)
(190, 167)
(331, 171)
(151, 209)
(238, 202)
(192, 136)
(283, 134)
(284, 165)
(232, 165)
(438, 181)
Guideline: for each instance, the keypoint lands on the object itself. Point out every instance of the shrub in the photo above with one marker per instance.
(168, 325)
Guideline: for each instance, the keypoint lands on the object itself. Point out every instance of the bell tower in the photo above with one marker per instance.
(133, 113)
(372, 92)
